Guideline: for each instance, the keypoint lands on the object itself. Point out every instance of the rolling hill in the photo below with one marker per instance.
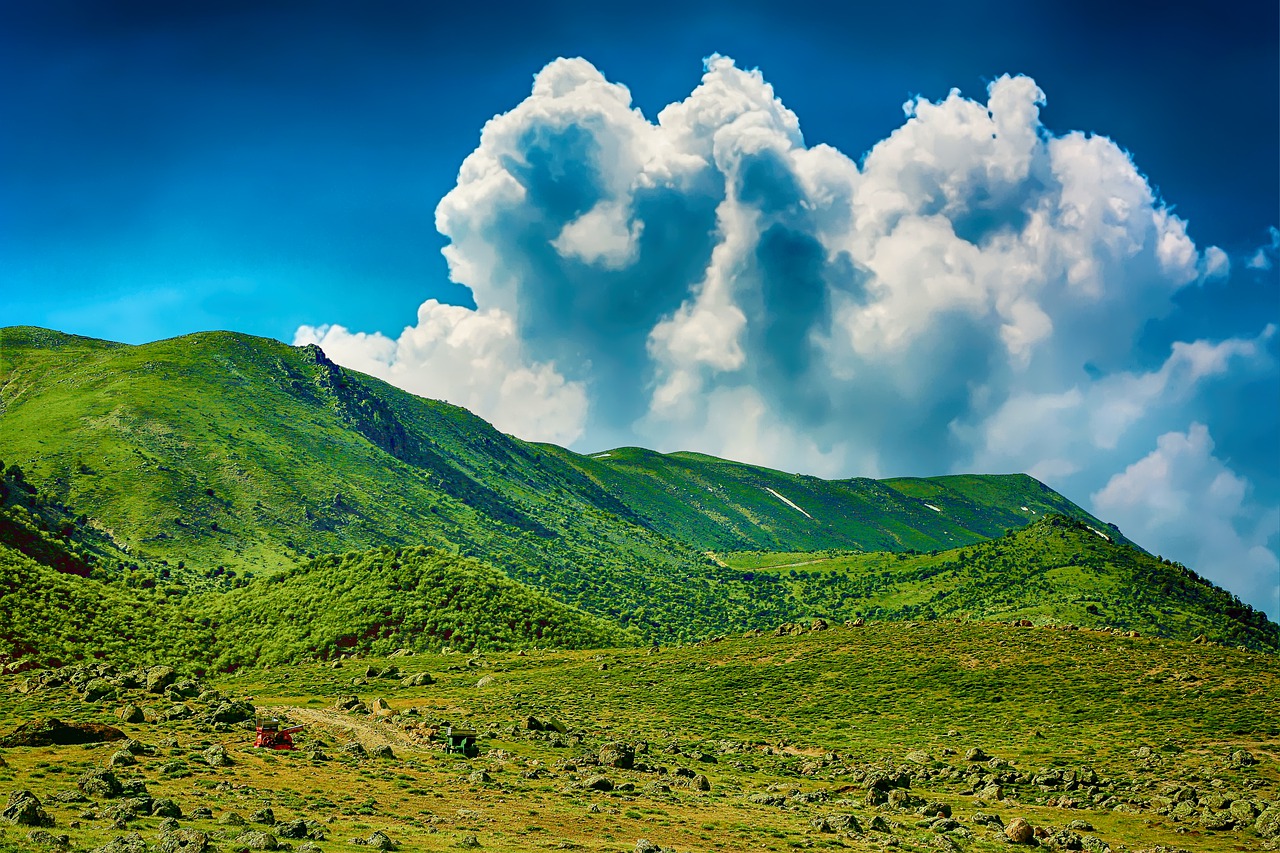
(219, 462)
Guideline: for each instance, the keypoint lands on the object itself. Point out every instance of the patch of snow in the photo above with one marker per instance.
(602, 456)
(1099, 532)
(932, 507)
(787, 502)
(1024, 509)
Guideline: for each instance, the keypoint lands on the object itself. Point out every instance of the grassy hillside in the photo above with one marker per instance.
(380, 600)
(1054, 570)
(721, 505)
(212, 461)
(385, 599)
(843, 739)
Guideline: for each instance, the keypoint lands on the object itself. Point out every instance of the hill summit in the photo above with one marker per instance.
(216, 463)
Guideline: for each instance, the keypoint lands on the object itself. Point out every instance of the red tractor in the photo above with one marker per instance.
(271, 736)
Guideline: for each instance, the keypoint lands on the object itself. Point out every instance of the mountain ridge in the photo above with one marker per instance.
(221, 455)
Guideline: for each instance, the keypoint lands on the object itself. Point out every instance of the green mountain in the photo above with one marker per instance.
(216, 464)
(721, 505)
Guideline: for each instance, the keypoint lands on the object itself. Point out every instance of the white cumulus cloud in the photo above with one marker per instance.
(1201, 512)
(969, 295)
(469, 358)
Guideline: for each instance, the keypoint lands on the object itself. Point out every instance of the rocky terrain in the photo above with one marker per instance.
(861, 736)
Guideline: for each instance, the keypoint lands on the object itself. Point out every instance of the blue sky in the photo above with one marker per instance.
(279, 169)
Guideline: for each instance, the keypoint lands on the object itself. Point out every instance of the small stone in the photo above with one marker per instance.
(381, 841)
(131, 714)
(166, 807)
(123, 758)
(598, 783)
(479, 776)
(264, 816)
(216, 756)
(382, 750)
(131, 843)
(1019, 831)
(618, 755)
(183, 841)
(256, 839)
(45, 838)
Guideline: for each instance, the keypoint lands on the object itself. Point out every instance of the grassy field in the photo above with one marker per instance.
(1096, 738)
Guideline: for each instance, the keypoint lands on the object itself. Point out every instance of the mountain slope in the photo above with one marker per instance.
(721, 505)
(212, 459)
(1054, 570)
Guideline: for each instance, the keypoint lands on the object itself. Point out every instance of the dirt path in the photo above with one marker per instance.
(369, 731)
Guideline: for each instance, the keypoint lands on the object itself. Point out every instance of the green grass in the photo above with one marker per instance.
(211, 463)
(814, 713)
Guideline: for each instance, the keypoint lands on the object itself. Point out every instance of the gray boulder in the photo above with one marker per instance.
(131, 843)
(160, 677)
(620, 755)
(25, 809)
(184, 841)
(256, 839)
(100, 783)
(216, 756)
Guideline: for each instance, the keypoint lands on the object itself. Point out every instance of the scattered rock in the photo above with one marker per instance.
(231, 712)
(45, 838)
(700, 783)
(1268, 823)
(422, 679)
(381, 841)
(131, 843)
(184, 841)
(25, 809)
(97, 689)
(382, 750)
(123, 758)
(160, 677)
(485, 681)
(216, 756)
(100, 783)
(644, 845)
(598, 783)
(54, 732)
(380, 708)
(479, 776)
(264, 816)
(166, 807)
(620, 755)
(256, 839)
(976, 754)
(352, 705)
(1019, 831)
(469, 841)
(232, 819)
(355, 748)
